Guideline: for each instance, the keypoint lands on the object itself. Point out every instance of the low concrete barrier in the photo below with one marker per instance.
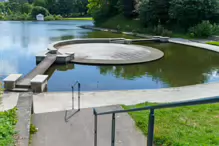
(11, 80)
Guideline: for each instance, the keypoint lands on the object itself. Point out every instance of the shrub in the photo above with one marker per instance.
(58, 17)
(49, 18)
(39, 10)
(160, 30)
(204, 29)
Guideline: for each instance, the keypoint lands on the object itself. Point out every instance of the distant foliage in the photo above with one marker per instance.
(186, 13)
(154, 12)
(41, 3)
(39, 10)
(26, 8)
(204, 29)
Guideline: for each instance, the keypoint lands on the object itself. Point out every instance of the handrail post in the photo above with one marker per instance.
(79, 97)
(73, 102)
(151, 128)
(95, 129)
(113, 132)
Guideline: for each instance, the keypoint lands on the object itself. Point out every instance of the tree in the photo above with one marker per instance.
(41, 3)
(26, 8)
(39, 10)
(2, 8)
(188, 13)
(154, 12)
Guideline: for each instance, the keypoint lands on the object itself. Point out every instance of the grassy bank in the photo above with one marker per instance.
(79, 18)
(8, 121)
(134, 25)
(213, 43)
(185, 126)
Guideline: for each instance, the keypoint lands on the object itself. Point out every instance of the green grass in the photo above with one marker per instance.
(213, 43)
(8, 120)
(79, 18)
(185, 126)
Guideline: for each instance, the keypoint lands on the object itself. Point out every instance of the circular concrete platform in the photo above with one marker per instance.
(111, 53)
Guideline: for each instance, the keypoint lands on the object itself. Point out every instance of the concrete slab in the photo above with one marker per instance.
(111, 53)
(77, 129)
(39, 79)
(8, 100)
(58, 101)
(12, 77)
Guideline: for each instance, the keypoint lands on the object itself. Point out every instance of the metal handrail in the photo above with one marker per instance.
(79, 95)
(150, 137)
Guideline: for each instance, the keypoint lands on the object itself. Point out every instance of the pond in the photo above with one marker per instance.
(181, 65)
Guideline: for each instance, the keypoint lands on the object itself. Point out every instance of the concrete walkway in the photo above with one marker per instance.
(77, 129)
(194, 44)
(59, 101)
(8, 100)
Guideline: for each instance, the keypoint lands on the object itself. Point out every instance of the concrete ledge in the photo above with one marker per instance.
(24, 106)
(39, 83)
(11, 80)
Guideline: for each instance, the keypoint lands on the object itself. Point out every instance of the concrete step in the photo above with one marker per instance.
(20, 90)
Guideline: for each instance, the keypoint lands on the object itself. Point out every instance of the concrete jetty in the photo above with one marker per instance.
(39, 70)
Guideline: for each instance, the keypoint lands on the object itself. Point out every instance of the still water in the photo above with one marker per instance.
(181, 65)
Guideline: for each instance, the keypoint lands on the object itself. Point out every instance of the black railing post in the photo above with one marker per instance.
(151, 128)
(95, 129)
(113, 132)
(73, 102)
(79, 97)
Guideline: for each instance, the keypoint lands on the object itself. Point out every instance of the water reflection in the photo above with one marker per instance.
(181, 65)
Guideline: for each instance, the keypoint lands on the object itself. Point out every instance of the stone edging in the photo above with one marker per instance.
(157, 54)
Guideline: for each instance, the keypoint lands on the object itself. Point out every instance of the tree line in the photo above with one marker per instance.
(190, 16)
(27, 9)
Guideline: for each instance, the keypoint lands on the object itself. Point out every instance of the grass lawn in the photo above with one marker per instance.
(79, 18)
(184, 126)
(213, 43)
(8, 121)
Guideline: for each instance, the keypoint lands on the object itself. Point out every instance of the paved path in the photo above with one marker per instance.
(59, 101)
(8, 100)
(69, 129)
(194, 44)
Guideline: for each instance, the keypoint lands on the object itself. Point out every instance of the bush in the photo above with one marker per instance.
(39, 10)
(160, 30)
(16, 16)
(8, 120)
(58, 17)
(204, 29)
(49, 18)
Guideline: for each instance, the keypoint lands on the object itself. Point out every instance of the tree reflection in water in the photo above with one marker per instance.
(181, 65)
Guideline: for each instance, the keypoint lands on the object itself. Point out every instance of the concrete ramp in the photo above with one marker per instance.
(40, 69)
(73, 128)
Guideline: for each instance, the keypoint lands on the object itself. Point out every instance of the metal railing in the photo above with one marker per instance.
(79, 95)
(150, 137)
